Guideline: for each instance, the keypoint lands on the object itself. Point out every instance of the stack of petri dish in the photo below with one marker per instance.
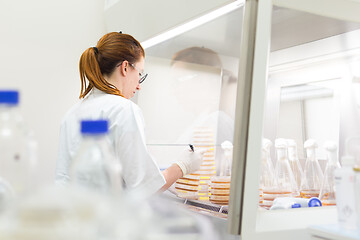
(220, 190)
(204, 138)
(188, 186)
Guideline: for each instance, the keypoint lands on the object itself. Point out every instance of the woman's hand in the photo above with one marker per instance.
(190, 161)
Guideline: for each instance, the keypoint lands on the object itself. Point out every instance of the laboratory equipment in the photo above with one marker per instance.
(204, 138)
(313, 175)
(284, 177)
(291, 202)
(225, 164)
(327, 191)
(95, 167)
(294, 161)
(17, 147)
(267, 175)
(220, 185)
(345, 193)
(220, 190)
(357, 194)
(188, 186)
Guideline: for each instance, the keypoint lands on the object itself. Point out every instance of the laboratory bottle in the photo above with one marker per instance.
(225, 164)
(357, 194)
(267, 190)
(284, 177)
(294, 162)
(327, 191)
(313, 175)
(94, 167)
(345, 193)
(18, 156)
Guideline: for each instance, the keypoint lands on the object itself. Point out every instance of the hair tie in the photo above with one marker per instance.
(120, 32)
(96, 50)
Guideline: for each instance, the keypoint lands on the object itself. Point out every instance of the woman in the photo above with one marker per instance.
(110, 75)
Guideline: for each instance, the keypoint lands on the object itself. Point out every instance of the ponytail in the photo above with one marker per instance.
(90, 70)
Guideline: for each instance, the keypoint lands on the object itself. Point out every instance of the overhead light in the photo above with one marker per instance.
(187, 26)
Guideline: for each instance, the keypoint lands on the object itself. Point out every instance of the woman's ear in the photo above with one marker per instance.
(124, 68)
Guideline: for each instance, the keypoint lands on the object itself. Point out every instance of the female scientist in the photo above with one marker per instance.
(110, 75)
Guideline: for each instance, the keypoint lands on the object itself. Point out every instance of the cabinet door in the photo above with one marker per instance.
(297, 81)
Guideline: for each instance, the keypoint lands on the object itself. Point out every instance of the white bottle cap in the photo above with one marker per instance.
(266, 144)
(226, 145)
(330, 146)
(291, 143)
(310, 143)
(347, 160)
(280, 143)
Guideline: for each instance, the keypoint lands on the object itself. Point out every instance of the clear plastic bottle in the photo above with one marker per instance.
(17, 149)
(345, 193)
(267, 175)
(327, 191)
(95, 167)
(225, 164)
(313, 175)
(294, 162)
(284, 177)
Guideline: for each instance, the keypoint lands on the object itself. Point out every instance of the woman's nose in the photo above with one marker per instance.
(138, 87)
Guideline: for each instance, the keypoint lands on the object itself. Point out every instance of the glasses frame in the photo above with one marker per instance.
(141, 73)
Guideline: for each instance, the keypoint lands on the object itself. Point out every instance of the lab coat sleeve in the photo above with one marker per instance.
(140, 171)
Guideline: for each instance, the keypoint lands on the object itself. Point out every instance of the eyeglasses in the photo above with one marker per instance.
(141, 73)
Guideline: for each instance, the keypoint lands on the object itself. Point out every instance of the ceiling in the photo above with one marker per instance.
(289, 28)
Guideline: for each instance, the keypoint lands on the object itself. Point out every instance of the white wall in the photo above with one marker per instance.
(41, 42)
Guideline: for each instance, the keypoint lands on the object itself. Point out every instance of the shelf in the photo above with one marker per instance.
(333, 232)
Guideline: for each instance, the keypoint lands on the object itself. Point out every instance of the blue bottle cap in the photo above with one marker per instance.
(314, 202)
(94, 126)
(9, 97)
(296, 205)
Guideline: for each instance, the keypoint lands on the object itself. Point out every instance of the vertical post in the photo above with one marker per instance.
(242, 115)
(249, 116)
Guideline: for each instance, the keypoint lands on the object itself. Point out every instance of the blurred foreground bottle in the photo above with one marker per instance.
(95, 167)
(327, 191)
(18, 149)
(313, 175)
(357, 194)
(345, 193)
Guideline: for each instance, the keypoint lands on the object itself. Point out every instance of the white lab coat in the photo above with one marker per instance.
(126, 134)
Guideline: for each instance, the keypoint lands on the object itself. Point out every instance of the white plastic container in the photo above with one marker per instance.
(345, 193)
